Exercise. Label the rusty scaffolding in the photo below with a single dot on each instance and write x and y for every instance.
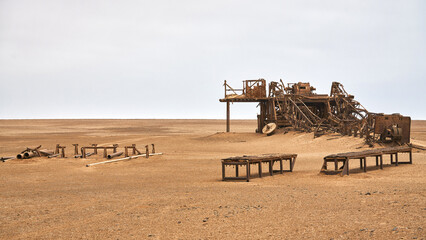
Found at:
(298, 107)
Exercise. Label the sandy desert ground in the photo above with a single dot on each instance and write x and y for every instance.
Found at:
(180, 195)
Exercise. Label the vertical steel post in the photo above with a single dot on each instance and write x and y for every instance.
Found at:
(248, 171)
(223, 171)
(75, 149)
(260, 169)
(95, 150)
(411, 156)
(228, 115)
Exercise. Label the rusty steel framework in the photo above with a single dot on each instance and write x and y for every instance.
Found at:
(297, 106)
(246, 161)
(362, 156)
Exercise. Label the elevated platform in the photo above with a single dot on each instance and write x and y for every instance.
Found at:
(246, 161)
(362, 156)
(236, 99)
(311, 98)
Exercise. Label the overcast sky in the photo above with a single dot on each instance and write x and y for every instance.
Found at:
(168, 59)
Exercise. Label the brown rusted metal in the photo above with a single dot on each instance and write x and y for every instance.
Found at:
(134, 150)
(113, 155)
(45, 152)
(393, 127)
(298, 107)
(4, 159)
(246, 161)
(60, 149)
(95, 148)
(29, 154)
(344, 158)
(34, 152)
(75, 148)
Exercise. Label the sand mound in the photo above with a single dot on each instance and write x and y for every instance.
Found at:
(230, 137)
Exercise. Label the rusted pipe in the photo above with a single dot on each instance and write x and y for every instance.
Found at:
(46, 152)
(4, 159)
(87, 155)
(29, 154)
(113, 155)
(121, 159)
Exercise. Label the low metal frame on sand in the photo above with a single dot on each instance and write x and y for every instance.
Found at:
(250, 160)
(362, 156)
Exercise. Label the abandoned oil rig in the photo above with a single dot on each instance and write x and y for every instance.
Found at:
(297, 106)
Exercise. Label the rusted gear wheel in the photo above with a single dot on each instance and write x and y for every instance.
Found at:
(269, 129)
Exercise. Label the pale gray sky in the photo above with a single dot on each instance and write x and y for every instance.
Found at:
(168, 59)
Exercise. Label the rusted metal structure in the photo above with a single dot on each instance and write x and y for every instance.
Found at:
(362, 156)
(134, 150)
(246, 161)
(127, 157)
(297, 106)
(95, 148)
(4, 159)
(34, 152)
(113, 155)
(62, 150)
(122, 159)
(75, 148)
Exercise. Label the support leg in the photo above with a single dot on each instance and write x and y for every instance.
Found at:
(75, 149)
(248, 171)
(260, 169)
(411, 156)
(236, 170)
(396, 159)
(293, 162)
(223, 171)
(365, 164)
(281, 166)
(360, 163)
(345, 167)
(381, 161)
(377, 160)
(270, 168)
(391, 158)
(336, 165)
(228, 115)
(324, 166)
